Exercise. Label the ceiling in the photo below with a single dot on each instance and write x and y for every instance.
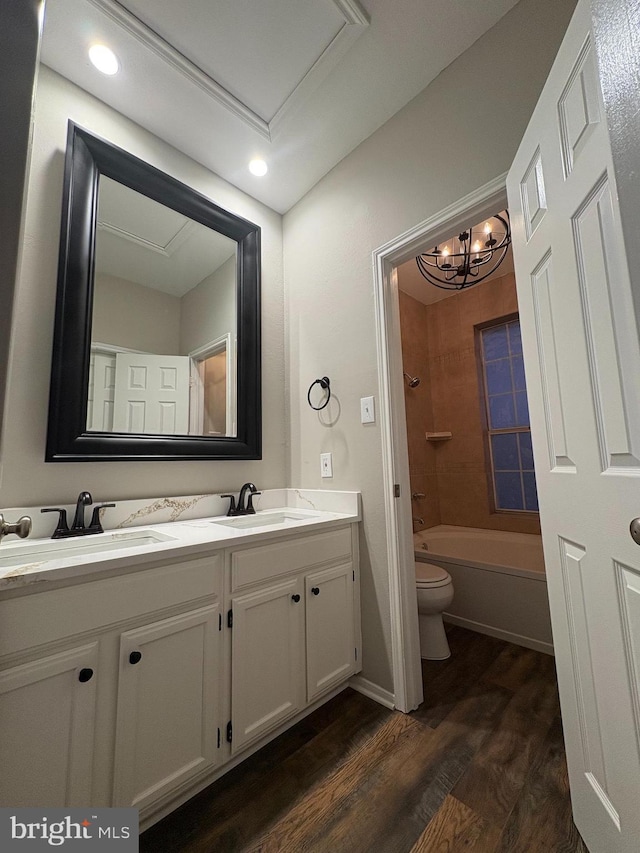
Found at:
(141, 240)
(299, 83)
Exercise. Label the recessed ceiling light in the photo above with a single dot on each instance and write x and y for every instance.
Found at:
(258, 168)
(104, 59)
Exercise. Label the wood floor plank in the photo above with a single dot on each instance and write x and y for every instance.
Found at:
(479, 767)
(271, 781)
(456, 827)
(382, 799)
(447, 685)
(541, 820)
(512, 667)
(495, 778)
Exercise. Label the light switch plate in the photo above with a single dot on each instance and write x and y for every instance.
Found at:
(367, 410)
(326, 465)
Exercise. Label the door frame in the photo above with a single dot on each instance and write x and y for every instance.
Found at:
(405, 644)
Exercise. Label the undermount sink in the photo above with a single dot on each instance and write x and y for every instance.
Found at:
(17, 554)
(262, 519)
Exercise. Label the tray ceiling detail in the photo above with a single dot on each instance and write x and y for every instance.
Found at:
(312, 39)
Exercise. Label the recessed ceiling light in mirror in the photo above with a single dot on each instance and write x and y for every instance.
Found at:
(258, 168)
(104, 59)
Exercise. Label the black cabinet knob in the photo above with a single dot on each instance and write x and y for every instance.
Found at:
(295, 597)
(315, 590)
(135, 657)
(85, 674)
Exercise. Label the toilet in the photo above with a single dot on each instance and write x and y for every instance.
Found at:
(434, 589)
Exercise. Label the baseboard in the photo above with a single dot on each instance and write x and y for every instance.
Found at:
(373, 691)
(498, 633)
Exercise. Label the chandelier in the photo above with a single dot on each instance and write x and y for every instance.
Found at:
(469, 258)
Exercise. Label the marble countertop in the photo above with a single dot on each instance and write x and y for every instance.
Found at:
(34, 562)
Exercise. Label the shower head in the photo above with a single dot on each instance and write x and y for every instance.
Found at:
(412, 381)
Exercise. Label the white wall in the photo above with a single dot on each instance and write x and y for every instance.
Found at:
(208, 311)
(130, 315)
(458, 134)
(25, 478)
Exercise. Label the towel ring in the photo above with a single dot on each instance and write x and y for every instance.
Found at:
(325, 384)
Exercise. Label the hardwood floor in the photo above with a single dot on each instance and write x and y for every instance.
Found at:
(478, 767)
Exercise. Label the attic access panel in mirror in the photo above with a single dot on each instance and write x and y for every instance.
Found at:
(156, 351)
(163, 330)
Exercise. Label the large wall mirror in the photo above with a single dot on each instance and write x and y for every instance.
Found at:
(157, 335)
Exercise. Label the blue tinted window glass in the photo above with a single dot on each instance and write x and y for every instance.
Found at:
(498, 376)
(515, 342)
(505, 451)
(530, 492)
(522, 409)
(494, 342)
(517, 366)
(502, 412)
(508, 491)
(526, 451)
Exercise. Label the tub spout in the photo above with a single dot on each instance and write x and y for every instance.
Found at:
(418, 520)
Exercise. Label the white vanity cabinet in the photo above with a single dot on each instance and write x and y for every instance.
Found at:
(167, 705)
(83, 724)
(295, 628)
(47, 729)
(140, 685)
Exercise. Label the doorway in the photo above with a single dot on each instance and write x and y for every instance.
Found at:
(400, 554)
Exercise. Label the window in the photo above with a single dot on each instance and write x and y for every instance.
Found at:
(509, 436)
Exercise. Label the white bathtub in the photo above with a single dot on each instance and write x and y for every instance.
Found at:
(498, 579)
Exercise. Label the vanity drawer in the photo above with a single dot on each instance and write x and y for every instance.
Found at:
(252, 565)
(46, 617)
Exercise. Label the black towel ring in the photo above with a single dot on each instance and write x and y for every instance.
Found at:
(325, 384)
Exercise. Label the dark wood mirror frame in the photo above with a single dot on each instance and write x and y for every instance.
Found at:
(68, 440)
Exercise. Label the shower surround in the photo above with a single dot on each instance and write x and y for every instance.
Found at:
(438, 345)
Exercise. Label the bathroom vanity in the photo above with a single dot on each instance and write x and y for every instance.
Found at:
(138, 671)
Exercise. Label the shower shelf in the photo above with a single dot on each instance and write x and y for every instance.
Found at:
(438, 436)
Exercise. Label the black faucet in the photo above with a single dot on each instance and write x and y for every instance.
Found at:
(63, 531)
(245, 501)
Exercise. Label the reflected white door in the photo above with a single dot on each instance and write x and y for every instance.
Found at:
(102, 373)
(583, 361)
(151, 394)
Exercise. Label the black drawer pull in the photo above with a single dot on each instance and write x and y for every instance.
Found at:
(295, 597)
(135, 657)
(85, 674)
(315, 590)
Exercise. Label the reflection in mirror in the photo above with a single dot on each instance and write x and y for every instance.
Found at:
(164, 329)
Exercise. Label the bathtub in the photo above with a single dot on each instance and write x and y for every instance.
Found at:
(498, 578)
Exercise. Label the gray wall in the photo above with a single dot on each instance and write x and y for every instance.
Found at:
(130, 315)
(209, 310)
(408, 170)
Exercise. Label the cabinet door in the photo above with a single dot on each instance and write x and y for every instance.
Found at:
(47, 723)
(166, 729)
(267, 660)
(330, 629)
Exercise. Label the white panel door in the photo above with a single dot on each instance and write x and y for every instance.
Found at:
(151, 394)
(167, 724)
(102, 377)
(582, 360)
(47, 727)
(329, 629)
(267, 660)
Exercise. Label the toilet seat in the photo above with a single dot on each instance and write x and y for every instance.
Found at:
(430, 576)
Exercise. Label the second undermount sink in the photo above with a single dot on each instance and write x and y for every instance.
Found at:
(17, 554)
(262, 519)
